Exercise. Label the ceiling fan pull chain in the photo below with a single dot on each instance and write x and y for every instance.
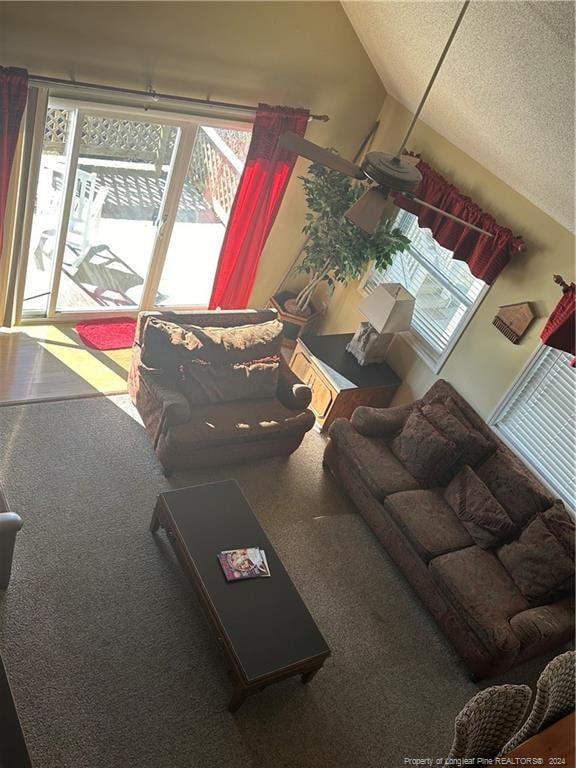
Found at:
(434, 74)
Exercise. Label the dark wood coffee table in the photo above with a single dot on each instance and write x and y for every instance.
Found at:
(262, 625)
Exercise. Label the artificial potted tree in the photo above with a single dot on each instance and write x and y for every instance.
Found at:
(335, 250)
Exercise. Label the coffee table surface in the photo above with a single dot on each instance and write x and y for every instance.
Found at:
(264, 620)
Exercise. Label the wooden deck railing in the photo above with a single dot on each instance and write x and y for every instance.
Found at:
(215, 168)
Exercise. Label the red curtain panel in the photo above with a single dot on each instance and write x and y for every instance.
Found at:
(560, 330)
(260, 191)
(486, 256)
(13, 94)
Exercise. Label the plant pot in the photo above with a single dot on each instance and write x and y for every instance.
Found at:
(295, 325)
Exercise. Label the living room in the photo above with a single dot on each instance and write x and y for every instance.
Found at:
(108, 656)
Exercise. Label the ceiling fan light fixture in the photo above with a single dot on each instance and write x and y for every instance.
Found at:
(391, 172)
(368, 210)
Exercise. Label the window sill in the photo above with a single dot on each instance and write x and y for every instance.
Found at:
(425, 352)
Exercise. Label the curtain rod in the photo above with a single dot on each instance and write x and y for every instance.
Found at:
(151, 94)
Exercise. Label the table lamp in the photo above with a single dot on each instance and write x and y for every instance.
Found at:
(388, 309)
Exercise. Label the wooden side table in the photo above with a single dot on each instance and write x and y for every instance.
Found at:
(554, 745)
(338, 382)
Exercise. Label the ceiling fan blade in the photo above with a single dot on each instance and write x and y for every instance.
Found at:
(450, 216)
(368, 210)
(300, 146)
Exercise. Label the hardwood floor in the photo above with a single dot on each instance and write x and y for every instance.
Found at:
(51, 363)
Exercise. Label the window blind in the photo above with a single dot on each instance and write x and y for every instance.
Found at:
(444, 289)
(538, 420)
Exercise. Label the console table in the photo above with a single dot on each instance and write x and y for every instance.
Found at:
(338, 382)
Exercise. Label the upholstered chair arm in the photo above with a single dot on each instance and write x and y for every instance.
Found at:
(10, 524)
(545, 623)
(292, 391)
(380, 422)
(160, 403)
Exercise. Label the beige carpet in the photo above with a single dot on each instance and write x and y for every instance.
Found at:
(111, 659)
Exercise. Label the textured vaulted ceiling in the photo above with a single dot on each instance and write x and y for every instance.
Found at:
(505, 94)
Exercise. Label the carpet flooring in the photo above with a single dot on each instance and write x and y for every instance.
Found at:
(110, 657)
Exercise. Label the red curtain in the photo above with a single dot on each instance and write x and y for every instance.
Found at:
(13, 94)
(486, 256)
(560, 330)
(260, 191)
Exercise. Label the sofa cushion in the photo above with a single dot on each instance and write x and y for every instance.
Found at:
(481, 514)
(380, 422)
(541, 560)
(451, 422)
(425, 452)
(371, 459)
(427, 522)
(206, 381)
(163, 345)
(243, 420)
(241, 343)
(166, 345)
(481, 592)
(521, 495)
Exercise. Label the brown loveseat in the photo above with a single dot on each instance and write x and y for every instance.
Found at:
(195, 431)
(489, 598)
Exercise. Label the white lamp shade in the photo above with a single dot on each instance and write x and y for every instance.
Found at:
(389, 308)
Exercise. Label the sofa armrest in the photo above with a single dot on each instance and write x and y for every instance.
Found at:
(546, 625)
(10, 524)
(159, 404)
(380, 422)
(175, 406)
(292, 392)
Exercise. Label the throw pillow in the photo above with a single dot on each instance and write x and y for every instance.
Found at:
(484, 518)
(541, 560)
(425, 452)
(514, 486)
(473, 446)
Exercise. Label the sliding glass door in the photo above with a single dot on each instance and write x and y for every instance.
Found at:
(128, 212)
(203, 209)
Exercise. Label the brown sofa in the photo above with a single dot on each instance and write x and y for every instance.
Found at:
(191, 434)
(475, 600)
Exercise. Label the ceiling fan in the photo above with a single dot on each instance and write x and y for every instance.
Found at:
(389, 173)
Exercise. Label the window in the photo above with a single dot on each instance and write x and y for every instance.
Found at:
(447, 294)
(130, 207)
(537, 420)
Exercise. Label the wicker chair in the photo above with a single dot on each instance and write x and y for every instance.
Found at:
(488, 720)
(554, 698)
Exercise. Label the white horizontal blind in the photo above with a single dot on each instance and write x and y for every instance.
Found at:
(444, 288)
(538, 420)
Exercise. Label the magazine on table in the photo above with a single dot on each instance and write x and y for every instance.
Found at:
(249, 563)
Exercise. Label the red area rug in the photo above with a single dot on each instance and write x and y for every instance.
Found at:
(112, 333)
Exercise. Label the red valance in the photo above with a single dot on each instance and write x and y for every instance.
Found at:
(486, 256)
(560, 330)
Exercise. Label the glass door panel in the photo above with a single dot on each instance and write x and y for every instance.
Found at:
(206, 200)
(116, 204)
(47, 211)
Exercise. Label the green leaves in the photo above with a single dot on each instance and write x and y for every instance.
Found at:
(348, 248)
